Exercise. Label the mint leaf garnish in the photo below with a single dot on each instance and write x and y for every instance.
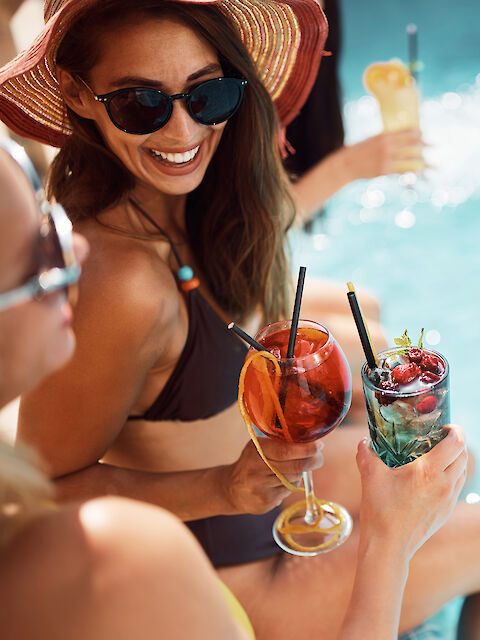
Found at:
(404, 341)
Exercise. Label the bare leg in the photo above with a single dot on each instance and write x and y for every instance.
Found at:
(289, 597)
(330, 296)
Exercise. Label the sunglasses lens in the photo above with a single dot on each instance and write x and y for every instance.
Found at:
(216, 100)
(139, 111)
(56, 260)
(49, 249)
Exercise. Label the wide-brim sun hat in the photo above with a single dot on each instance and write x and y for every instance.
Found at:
(284, 38)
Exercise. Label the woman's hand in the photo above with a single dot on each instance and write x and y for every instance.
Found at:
(410, 503)
(379, 155)
(253, 488)
(384, 154)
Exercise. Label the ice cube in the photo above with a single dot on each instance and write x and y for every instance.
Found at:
(424, 423)
(303, 347)
(441, 395)
(400, 413)
(394, 360)
(376, 375)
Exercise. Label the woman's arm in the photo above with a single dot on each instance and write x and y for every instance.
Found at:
(375, 604)
(375, 156)
(401, 508)
(246, 486)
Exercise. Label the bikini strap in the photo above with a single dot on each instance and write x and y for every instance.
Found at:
(185, 274)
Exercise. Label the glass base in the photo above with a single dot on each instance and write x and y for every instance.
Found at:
(295, 536)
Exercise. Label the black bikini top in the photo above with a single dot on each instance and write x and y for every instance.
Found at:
(205, 379)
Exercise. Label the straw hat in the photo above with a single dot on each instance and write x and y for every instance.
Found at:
(285, 39)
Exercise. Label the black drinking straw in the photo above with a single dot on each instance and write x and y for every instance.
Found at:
(242, 334)
(412, 41)
(296, 313)
(365, 339)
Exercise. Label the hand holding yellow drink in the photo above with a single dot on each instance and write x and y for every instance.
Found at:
(394, 87)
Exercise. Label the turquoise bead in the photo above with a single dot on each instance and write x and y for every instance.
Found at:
(185, 273)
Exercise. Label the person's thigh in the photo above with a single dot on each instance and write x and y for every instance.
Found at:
(290, 597)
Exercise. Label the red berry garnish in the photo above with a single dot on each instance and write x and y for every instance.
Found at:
(427, 405)
(383, 398)
(430, 362)
(388, 385)
(406, 373)
(415, 355)
(429, 377)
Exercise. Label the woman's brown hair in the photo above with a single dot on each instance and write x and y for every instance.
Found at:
(238, 217)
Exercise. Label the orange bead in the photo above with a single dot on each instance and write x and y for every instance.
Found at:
(188, 285)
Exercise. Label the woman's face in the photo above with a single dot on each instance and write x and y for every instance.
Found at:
(35, 337)
(166, 54)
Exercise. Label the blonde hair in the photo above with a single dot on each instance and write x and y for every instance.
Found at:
(24, 490)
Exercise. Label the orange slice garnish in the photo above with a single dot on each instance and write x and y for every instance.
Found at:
(270, 389)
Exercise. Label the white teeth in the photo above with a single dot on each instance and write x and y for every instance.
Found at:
(176, 158)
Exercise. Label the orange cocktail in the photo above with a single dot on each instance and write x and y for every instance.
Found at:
(298, 399)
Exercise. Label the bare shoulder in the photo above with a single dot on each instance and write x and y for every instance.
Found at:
(68, 565)
(110, 568)
(126, 276)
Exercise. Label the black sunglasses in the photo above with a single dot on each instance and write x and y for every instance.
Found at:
(142, 110)
(56, 265)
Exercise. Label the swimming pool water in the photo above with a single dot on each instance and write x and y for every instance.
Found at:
(448, 40)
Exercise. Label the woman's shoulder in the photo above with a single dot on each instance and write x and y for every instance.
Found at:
(115, 544)
(63, 573)
(127, 275)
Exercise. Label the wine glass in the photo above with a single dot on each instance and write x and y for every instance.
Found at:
(299, 399)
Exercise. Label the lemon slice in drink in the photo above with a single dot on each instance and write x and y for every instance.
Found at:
(395, 90)
(380, 77)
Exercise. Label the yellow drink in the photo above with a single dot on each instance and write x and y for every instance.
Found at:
(392, 84)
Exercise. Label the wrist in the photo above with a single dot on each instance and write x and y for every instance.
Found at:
(222, 486)
(343, 166)
(377, 544)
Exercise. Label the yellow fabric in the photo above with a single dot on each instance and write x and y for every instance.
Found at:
(237, 611)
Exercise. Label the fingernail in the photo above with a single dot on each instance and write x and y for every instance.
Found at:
(451, 432)
(363, 442)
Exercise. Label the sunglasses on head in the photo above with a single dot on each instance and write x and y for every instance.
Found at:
(142, 110)
(55, 261)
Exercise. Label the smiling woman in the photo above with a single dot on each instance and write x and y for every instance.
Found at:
(169, 161)
(139, 107)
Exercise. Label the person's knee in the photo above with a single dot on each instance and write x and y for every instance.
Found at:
(370, 305)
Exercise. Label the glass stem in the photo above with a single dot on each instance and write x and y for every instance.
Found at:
(312, 513)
